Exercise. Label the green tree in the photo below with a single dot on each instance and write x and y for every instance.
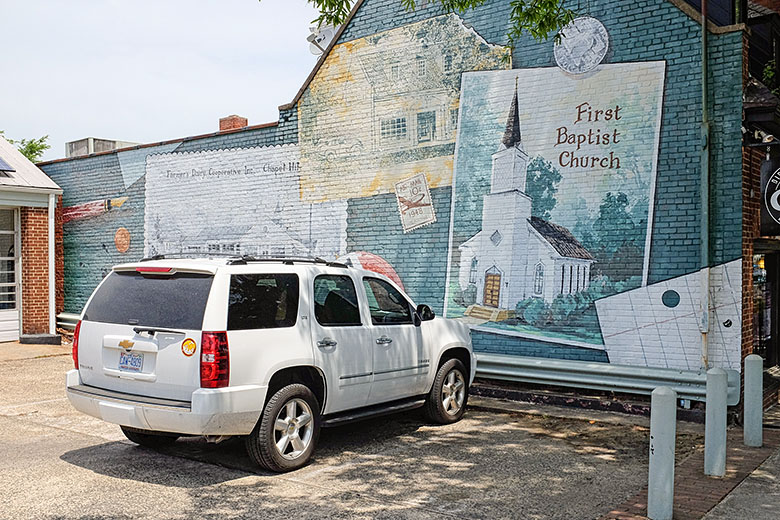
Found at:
(539, 18)
(619, 251)
(541, 184)
(33, 149)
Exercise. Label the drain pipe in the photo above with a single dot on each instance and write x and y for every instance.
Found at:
(704, 189)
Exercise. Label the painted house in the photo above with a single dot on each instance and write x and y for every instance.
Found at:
(516, 255)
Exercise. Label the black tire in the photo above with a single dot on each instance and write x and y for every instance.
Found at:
(262, 443)
(434, 404)
(149, 439)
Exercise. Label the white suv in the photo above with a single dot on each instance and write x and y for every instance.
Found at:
(270, 349)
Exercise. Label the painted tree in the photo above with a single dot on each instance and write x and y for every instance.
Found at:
(540, 18)
(619, 250)
(33, 149)
(541, 184)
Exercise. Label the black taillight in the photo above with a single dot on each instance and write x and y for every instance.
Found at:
(214, 360)
(75, 352)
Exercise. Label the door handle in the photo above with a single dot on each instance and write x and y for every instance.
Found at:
(327, 342)
(384, 340)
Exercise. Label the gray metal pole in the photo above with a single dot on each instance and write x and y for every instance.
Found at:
(715, 423)
(663, 430)
(754, 401)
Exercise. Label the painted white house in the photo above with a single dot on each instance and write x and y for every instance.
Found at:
(517, 256)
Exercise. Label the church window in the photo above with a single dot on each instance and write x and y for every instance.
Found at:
(496, 238)
(473, 271)
(393, 128)
(421, 66)
(448, 63)
(426, 127)
(571, 272)
(539, 279)
(563, 276)
(454, 119)
(395, 72)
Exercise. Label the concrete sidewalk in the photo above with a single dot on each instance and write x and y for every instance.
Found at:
(14, 351)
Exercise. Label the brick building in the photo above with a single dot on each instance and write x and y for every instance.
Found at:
(396, 145)
(30, 250)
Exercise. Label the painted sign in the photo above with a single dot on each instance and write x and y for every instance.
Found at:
(238, 201)
(553, 190)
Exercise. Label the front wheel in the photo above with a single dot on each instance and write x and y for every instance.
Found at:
(286, 434)
(447, 399)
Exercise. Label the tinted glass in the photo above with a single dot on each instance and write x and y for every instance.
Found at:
(175, 302)
(335, 301)
(262, 301)
(386, 303)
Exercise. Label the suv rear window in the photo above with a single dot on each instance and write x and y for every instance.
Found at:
(262, 301)
(175, 301)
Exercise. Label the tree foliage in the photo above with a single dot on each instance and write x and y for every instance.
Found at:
(541, 184)
(539, 18)
(33, 148)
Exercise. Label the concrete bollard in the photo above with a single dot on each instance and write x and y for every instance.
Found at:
(715, 423)
(663, 430)
(753, 432)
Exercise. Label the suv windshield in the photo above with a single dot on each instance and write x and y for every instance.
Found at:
(175, 301)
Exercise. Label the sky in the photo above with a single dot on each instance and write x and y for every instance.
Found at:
(147, 70)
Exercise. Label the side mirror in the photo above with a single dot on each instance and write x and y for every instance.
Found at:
(425, 313)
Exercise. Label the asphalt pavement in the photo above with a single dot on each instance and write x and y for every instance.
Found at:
(503, 460)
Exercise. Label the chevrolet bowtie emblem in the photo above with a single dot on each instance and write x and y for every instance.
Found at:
(126, 344)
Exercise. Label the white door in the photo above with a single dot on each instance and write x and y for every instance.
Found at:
(342, 346)
(9, 275)
(399, 366)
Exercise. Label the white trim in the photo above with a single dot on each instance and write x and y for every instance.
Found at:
(29, 189)
(52, 294)
(18, 266)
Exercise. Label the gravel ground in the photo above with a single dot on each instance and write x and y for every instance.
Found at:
(61, 464)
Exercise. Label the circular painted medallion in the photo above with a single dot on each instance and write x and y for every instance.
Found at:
(122, 240)
(772, 196)
(582, 46)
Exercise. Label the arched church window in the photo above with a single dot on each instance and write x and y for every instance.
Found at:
(539, 279)
(473, 271)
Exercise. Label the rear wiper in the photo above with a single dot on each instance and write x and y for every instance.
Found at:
(154, 330)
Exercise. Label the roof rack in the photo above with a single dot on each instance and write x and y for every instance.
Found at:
(233, 259)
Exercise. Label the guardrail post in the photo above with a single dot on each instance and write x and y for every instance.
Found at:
(715, 423)
(752, 431)
(663, 430)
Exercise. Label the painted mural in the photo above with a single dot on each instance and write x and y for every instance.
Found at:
(384, 108)
(552, 197)
(237, 201)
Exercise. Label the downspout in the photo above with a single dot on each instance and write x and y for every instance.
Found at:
(704, 309)
(52, 278)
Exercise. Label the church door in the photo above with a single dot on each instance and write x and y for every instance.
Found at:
(492, 288)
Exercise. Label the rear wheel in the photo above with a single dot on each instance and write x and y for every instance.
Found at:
(149, 439)
(447, 399)
(286, 434)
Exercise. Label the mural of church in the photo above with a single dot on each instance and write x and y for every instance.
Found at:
(516, 255)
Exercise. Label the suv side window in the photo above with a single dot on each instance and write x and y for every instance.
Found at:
(262, 301)
(335, 301)
(386, 303)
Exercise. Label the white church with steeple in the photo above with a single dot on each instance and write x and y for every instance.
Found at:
(516, 255)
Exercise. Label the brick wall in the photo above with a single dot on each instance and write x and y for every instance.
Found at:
(642, 31)
(35, 270)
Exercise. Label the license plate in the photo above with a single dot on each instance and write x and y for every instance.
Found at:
(130, 362)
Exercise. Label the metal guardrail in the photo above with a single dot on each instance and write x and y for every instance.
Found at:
(601, 376)
(67, 321)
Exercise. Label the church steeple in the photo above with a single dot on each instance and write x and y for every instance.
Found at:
(512, 133)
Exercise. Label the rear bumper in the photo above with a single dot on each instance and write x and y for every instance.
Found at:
(218, 411)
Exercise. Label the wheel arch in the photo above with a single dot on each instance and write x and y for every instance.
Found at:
(307, 375)
(456, 352)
